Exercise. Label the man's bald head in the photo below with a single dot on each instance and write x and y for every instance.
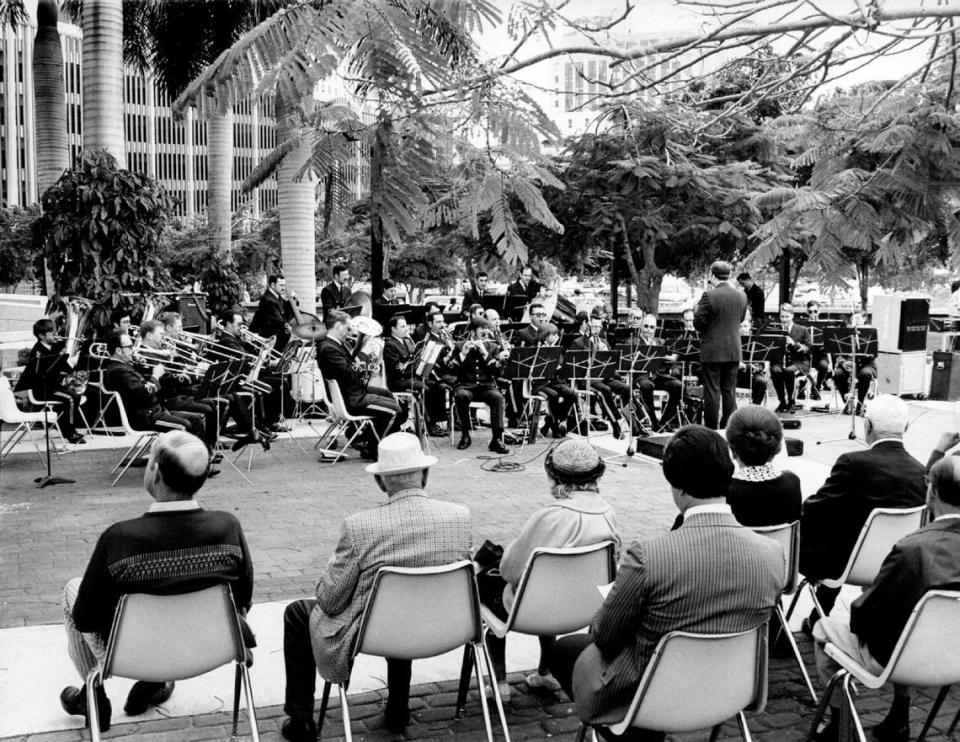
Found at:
(945, 481)
(178, 466)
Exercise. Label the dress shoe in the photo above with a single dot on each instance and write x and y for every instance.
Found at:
(435, 431)
(464, 442)
(76, 438)
(892, 729)
(815, 394)
(143, 695)
(213, 473)
(74, 702)
(829, 733)
(560, 431)
(299, 730)
(617, 431)
(791, 407)
(242, 443)
(782, 407)
(216, 458)
(496, 445)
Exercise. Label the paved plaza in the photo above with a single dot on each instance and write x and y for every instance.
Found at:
(291, 514)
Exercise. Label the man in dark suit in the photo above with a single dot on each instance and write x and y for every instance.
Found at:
(337, 365)
(928, 559)
(525, 285)
(527, 337)
(478, 361)
(275, 308)
(883, 476)
(755, 298)
(410, 529)
(398, 351)
(795, 361)
(475, 294)
(671, 582)
(176, 547)
(717, 318)
(336, 294)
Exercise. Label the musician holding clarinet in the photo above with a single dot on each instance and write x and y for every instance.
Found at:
(796, 359)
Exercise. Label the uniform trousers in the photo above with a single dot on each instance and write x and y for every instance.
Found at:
(486, 393)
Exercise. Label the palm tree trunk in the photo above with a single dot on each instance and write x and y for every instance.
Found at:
(220, 182)
(103, 77)
(50, 107)
(297, 203)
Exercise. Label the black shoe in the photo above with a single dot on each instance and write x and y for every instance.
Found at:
(830, 733)
(548, 426)
(802, 394)
(268, 434)
(560, 431)
(76, 438)
(496, 445)
(464, 442)
(143, 695)
(74, 702)
(395, 720)
(782, 407)
(892, 729)
(617, 432)
(791, 407)
(242, 443)
(299, 730)
(216, 458)
(213, 473)
(815, 394)
(435, 431)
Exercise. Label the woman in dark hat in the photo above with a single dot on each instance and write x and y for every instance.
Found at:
(579, 516)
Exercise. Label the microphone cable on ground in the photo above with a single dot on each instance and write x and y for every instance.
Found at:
(499, 464)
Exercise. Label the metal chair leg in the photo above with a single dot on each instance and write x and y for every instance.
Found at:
(484, 657)
(852, 709)
(744, 729)
(581, 733)
(93, 715)
(345, 713)
(251, 707)
(796, 652)
(237, 677)
(824, 702)
(324, 701)
(796, 597)
(934, 710)
(953, 724)
(466, 670)
(480, 670)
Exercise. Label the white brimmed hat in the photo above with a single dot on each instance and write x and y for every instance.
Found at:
(399, 453)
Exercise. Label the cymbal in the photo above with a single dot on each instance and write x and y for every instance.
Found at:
(312, 330)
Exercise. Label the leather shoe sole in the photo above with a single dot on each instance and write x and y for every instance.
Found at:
(143, 695)
(297, 730)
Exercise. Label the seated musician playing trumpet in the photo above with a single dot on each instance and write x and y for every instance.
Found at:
(45, 374)
(614, 394)
(646, 384)
(796, 359)
(337, 364)
(478, 361)
(270, 404)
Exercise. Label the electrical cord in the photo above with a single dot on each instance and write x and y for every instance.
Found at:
(500, 464)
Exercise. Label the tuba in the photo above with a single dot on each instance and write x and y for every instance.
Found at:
(367, 350)
(78, 312)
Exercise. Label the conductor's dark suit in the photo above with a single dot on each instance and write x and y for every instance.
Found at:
(333, 297)
(717, 318)
(884, 476)
(270, 319)
(927, 559)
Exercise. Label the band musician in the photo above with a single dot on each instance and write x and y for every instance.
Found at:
(273, 312)
(614, 394)
(560, 396)
(476, 292)
(796, 359)
(423, 329)
(529, 335)
(45, 374)
(479, 361)
(269, 404)
(337, 365)
(398, 352)
(388, 299)
(866, 372)
(139, 393)
(751, 375)
(443, 376)
(689, 329)
(336, 294)
(525, 285)
(821, 359)
(646, 384)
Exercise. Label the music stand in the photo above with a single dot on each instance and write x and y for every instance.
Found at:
(857, 343)
(48, 479)
(218, 380)
(638, 358)
(587, 366)
(532, 364)
(686, 347)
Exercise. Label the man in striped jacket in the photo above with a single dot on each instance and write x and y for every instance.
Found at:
(709, 576)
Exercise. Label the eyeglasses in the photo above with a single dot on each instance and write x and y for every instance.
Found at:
(649, 327)
(539, 314)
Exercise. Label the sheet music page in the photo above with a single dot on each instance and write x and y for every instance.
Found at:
(429, 356)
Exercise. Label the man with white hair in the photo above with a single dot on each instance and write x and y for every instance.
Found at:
(927, 559)
(175, 547)
(410, 530)
(882, 476)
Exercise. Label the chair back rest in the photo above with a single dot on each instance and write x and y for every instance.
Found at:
(928, 653)
(788, 536)
(172, 637)
(696, 681)
(8, 402)
(416, 612)
(334, 399)
(881, 531)
(558, 591)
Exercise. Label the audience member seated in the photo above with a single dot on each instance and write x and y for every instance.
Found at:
(882, 476)
(410, 530)
(579, 517)
(175, 547)
(759, 494)
(709, 576)
(928, 559)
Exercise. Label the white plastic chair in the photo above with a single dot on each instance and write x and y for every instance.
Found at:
(342, 418)
(415, 613)
(23, 421)
(157, 638)
(880, 532)
(788, 536)
(698, 681)
(927, 654)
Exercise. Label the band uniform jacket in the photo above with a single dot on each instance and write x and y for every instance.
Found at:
(336, 364)
(44, 370)
(884, 476)
(527, 337)
(397, 352)
(475, 369)
(447, 366)
(270, 319)
(711, 575)
(409, 530)
(470, 297)
(531, 290)
(138, 394)
(717, 318)
(333, 297)
(801, 359)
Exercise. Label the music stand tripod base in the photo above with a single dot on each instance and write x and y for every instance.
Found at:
(47, 481)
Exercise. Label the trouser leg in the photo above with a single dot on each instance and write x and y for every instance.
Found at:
(673, 387)
(299, 665)
(711, 394)
(645, 388)
(462, 398)
(563, 657)
(66, 408)
(728, 391)
(86, 650)
(777, 376)
(398, 689)
(492, 397)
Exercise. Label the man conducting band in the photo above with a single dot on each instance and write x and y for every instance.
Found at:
(337, 365)
(796, 361)
(717, 318)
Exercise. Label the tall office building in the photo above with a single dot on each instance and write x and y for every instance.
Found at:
(173, 152)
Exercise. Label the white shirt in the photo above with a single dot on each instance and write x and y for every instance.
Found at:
(174, 506)
(703, 509)
(946, 516)
(886, 440)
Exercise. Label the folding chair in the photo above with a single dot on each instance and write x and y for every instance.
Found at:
(881, 531)
(338, 410)
(698, 681)
(157, 638)
(452, 415)
(49, 403)
(421, 612)
(927, 654)
(24, 421)
(557, 595)
(788, 536)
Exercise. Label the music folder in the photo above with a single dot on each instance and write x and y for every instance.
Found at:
(428, 358)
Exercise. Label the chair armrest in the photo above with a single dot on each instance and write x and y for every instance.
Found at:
(849, 664)
(498, 627)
